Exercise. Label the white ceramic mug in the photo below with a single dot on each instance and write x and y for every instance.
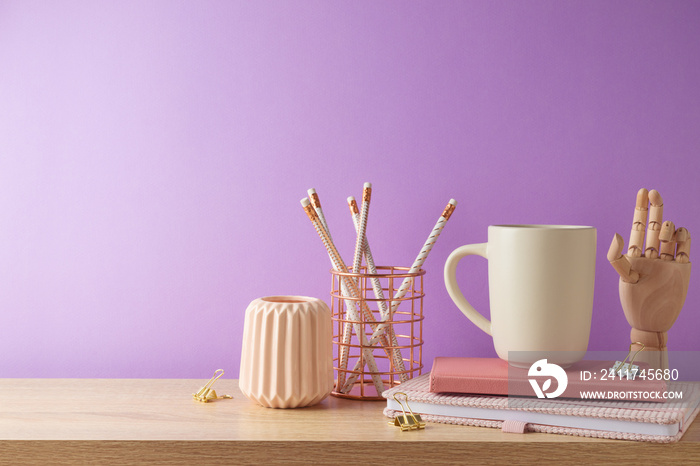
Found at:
(541, 281)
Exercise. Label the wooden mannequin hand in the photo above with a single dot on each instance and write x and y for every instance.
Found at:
(653, 277)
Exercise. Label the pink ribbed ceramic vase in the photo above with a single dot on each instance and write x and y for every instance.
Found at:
(287, 357)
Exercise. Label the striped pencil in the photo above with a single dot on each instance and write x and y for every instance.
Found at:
(316, 202)
(364, 308)
(362, 227)
(353, 292)
(395, 354)
(406, 284)
(360, 242)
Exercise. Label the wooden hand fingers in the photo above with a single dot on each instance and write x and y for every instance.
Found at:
(667, 236)
(683, 246)
(620, 262)
(674, 243)
(656, 211)
(663, 240)
(636, 246)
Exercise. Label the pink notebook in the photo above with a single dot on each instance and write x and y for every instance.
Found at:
(490, 376)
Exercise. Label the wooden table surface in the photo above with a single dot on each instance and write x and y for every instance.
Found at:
(119, 421)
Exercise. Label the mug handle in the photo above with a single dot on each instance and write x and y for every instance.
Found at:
(480, 249)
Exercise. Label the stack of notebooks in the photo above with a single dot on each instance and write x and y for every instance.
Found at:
(474, 392)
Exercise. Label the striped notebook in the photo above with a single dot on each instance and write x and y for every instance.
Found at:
(623, 420)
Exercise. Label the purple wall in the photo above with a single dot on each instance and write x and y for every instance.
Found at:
(153, 154)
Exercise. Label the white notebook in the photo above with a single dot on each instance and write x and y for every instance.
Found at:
(653, 422)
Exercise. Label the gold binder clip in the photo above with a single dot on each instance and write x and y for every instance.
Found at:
(416, 417)
(206, 393)
(628, 369)
(407, 421)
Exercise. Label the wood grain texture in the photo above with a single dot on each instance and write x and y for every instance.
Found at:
(306, 452)
(68, 421)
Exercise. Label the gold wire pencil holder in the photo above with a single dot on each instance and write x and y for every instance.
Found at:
(398, 353)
